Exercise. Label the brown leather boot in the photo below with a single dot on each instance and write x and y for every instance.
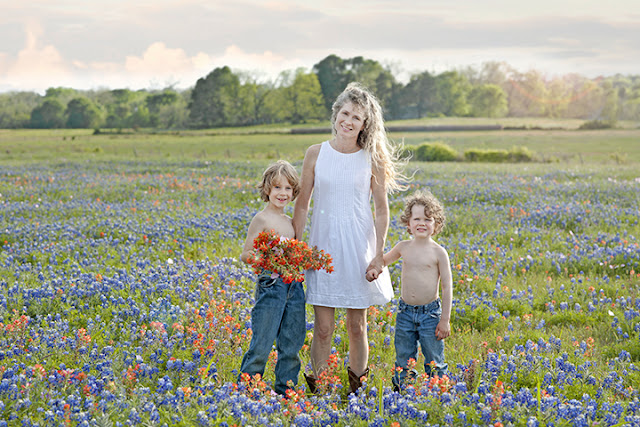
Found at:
(354, 380)
(311, 382)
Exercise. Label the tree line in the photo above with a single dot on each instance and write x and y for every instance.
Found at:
(235, 98)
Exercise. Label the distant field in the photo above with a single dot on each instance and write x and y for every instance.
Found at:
(558, 141)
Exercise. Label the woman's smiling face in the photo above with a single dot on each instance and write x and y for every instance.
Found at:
(350, 120)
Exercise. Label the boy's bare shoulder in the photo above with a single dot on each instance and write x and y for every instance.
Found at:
(260, 219)
(401, 245)
(439, 248)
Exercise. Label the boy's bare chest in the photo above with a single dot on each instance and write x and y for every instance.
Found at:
(420, 261)
(281, 225)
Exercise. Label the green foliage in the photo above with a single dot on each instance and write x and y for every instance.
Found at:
(488, 100)
(408, 152)
(515, 155)
(477, 319)
(50, 115)
(428, 95)
(82, 114)
(214, 98)
(519, 154)
(597, 124)
(226, 98)
(436, 152)
(16, 107)
(486, 155)
(299, 102)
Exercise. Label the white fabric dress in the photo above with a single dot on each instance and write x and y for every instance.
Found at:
(342, 225)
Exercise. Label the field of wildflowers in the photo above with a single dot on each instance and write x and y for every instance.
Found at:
(123, 302)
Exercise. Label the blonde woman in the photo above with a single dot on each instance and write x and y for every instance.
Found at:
(343, 174)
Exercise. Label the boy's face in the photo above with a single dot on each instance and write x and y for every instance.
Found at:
(281, 192)
(420, 225)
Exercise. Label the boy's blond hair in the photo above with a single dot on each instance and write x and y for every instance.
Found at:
(432, 209)
(281, 168)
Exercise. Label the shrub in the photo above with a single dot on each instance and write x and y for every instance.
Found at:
(517, 154)
(597, 124)
(520, 154)
(408, 152)
(436, 152)
(486, 156)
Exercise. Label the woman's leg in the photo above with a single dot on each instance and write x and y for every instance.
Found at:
(358, 340)
(323, 327)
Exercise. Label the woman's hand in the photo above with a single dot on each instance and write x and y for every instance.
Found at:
(375, 268)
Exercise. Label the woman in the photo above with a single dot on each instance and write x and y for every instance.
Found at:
(343, 174)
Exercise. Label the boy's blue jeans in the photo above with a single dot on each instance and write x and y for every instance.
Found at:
(278, 315)
(417, 324)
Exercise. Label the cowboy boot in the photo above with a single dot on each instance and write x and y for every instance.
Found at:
(311, 382)
(354, 380)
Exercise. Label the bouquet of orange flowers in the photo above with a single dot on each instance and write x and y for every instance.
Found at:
(287, 258)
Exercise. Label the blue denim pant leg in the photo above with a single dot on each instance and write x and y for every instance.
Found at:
(417, 324)
(278, 315)
(290, 339)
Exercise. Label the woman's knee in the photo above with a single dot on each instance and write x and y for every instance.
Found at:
(324, 325)
(357, 323)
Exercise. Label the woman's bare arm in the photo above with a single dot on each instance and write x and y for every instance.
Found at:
(301, 209)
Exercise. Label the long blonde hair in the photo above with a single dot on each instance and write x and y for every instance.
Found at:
(372, 137)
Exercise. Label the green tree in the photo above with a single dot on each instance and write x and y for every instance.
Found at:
(119, 108)
(585, 97)
(334, 73)
(16, 108)
(296, 99)
(488, 100)
(49, 115)
(559, 95)
(526, 94)
(332, 76)
(451, 89)
(305, 99)
(214, 98)
(609, 111)
(420, 95)
(157, 102)
(82, 113)
(62, 94)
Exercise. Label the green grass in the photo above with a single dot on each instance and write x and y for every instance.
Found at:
(613, 147)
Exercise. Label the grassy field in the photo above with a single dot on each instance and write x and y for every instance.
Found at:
(123, 302)
(615, 147)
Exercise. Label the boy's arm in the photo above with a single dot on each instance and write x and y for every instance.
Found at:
(390, 257)
(443, 330)
(256, 226)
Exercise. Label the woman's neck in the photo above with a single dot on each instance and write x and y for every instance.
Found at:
(345, 146)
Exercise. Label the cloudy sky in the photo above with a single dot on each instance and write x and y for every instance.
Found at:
(144, 44)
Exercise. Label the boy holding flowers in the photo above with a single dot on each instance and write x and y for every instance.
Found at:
(279, 311)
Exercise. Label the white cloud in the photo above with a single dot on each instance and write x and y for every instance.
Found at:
(118, 43)
(34, 65)
(160, 60)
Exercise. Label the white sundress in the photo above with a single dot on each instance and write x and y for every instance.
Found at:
(342, 225)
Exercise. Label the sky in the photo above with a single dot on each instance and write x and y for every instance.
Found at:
(142, 44)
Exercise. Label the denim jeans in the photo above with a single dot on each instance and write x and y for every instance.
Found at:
(417, 324)
(278, 315)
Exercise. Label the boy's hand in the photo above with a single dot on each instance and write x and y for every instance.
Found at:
(372, 274)
(374, 268)
(443, 330)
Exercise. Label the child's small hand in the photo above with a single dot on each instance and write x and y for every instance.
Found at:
(372, 275)
(443, 330)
